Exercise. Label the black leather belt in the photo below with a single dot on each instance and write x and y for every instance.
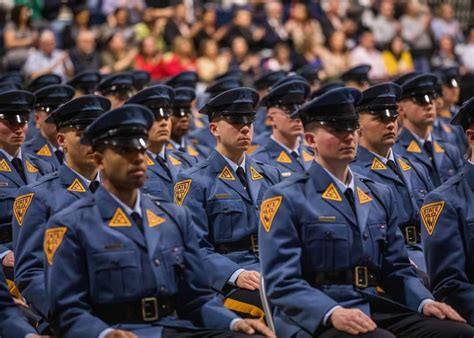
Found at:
(145, 310)
(6, 234)
(361, 277)
(412, 234)
(250, 243)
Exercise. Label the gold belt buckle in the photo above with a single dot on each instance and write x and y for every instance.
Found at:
(361, 277)
(254, 244)
(150, 309)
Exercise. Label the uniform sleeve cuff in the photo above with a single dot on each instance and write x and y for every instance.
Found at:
(328, 314)
(234, 276)
(423, 303)
(232, 323)
(105, 332)
(3, 254)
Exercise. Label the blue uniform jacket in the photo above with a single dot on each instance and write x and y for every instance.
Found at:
(409, 192)
(223, 211)
(49, 195)
(10, 182)
(448, 239)
(307, 226)
(195, 150)
(448, 159)
(96, 254)
(12, 322)
(39, 147)
(158, 182)
(450, 134)
(275, 155)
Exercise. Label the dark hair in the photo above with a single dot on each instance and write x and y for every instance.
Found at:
(16, 13)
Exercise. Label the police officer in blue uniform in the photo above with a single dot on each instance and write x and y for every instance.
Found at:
(45, 145)
(329, 237)
(17, 168)
(120, 264)
(447, 228)
(416, 142)
(284, 149)
(43, 81)
(376, 160)
(76, 178)
(141, 79)
(224, 193)
(163, 164)
(85, 83)
(327, 87)
(118, 88)
(357, 77)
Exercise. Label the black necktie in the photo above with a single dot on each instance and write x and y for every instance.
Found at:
(428, 146)
(59, 155)
(16, 162)
(93, 186)
(392, 165)
(164, 165)
(242, 177)
(138, 220)
(350, 198)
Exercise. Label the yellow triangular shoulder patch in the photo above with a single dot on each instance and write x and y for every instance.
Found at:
(447, 129)
(252, 149)
(268, 211)
(119, 219)
(405, 166)
(149, 161)
(191, 151)
(4, 166)
(413, 147)
(284, 158)
(378, 165)
(445, 114)
(31, 168)
(21, 205)
(174, 161)
(76, 186)
(437, 148)
(331, 194)
(181, 189)
(226, 174)
(169, 146)
(254, 174)
(198, 123)
(44, 151)
(307, 156)
(153, 219)
(52, 240)
(363, 197)
(430, 215)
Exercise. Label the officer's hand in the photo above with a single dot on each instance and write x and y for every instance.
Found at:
(352, 321)
(441, 311)
(252, 326)
(120, 334)
(249, 280)
(8, 260)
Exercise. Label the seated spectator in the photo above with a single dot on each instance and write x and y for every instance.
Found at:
(273, 24)
(242, 26)
(281, 59)
(242, 58)
(133, 7)
(47, 59)
(309, 54)
(366, 53)
(150, 26)
(335, 57)
(416, 32)
(384, 25)
(444, 56)
(117, 57)
(119, 22)
(210, 62)
(332, 20)
(84, 55)
(149, 58)
(81, 22)
(446, 24)
(206, 28)
(301, 26)
(180, 59)
(466, 51)
(18, 38)
(177, 25)
(397, 58)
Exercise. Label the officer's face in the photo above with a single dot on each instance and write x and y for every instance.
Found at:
(76, 154)
(235, 136)
(451, 94)
(378, 132)
(180, 125)
(122, 169)
(416, 113)
(47, 129)
(12, 135)
(332, 146)
(282, 123)
(160, 131)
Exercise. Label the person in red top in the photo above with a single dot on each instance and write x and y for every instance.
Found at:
(149, 58)
(181, 59)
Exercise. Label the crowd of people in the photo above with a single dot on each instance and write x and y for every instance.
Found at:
(308, 172)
